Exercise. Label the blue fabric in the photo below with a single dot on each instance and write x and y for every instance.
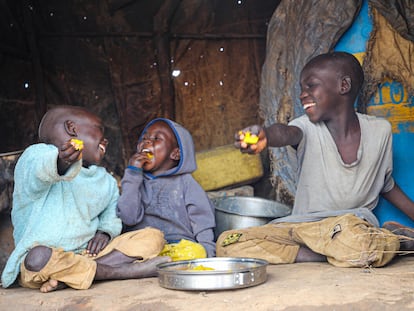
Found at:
(138, 169)
(172, 202)
(58, 211)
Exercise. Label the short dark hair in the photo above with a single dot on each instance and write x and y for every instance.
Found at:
(56, 115)
(348, 65)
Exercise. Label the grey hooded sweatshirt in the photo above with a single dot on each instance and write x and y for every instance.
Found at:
(173, 201)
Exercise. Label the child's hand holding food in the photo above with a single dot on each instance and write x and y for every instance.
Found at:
(141, 157)
(77, 144)
(69, 153)
(251, 139)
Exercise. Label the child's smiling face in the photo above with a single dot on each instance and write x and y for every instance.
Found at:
(63, 123)
(320, 87)
(159, 140)
(90, 130)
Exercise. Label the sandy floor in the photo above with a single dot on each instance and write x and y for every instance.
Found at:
(308, 286)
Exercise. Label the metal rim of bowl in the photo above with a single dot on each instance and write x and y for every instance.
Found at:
(281, 209)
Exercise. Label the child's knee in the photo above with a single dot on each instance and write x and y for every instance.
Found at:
(37, 258)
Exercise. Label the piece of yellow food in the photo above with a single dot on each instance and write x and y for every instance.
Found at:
(149, 154)
(250, 138)
(77, 143)
(200, 268)
(184, 250)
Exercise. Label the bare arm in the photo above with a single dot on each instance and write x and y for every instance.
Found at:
(279, 135)
(400, 200)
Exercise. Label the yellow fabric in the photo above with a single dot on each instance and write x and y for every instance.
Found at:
(184, 250)
(78, 271)
(346, 241)
(225, 166)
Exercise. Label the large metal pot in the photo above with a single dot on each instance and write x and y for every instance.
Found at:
(241, 212)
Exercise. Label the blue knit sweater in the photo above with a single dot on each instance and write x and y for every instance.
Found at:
(58, 211)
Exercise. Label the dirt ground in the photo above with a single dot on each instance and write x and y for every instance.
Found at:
(305, 286)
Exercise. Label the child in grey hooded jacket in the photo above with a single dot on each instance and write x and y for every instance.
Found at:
(159, 191)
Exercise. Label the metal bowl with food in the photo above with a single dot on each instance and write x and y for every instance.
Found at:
(235, 212)
(218, 273)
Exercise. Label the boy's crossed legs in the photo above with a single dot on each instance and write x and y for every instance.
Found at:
(344, 241)
(130, 256)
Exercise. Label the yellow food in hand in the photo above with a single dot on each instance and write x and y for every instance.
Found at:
(184, 250)
(250, 138)
(77, 143)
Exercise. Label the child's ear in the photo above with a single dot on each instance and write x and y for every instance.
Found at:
(346, 84)
(70, 128)
(175, 154)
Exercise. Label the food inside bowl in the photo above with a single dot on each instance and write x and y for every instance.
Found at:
(212, 273)
(199, 268)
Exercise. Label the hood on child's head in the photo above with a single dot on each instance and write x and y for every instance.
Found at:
(187, 163)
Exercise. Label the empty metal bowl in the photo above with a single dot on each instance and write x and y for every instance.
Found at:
(237, 212)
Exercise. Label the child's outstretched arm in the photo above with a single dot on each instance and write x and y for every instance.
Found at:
(254, 139)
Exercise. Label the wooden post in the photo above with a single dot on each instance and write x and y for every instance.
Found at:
(162, 22)
(40, 101)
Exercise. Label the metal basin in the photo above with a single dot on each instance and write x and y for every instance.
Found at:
(241, 212)
(225, 273)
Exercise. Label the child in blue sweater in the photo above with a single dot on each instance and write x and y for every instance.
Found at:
(66, 231)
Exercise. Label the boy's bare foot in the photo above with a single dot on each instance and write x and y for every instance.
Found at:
(307, 255)
(52, 285)
(149, 268)
(405, 234)
(134, 270)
